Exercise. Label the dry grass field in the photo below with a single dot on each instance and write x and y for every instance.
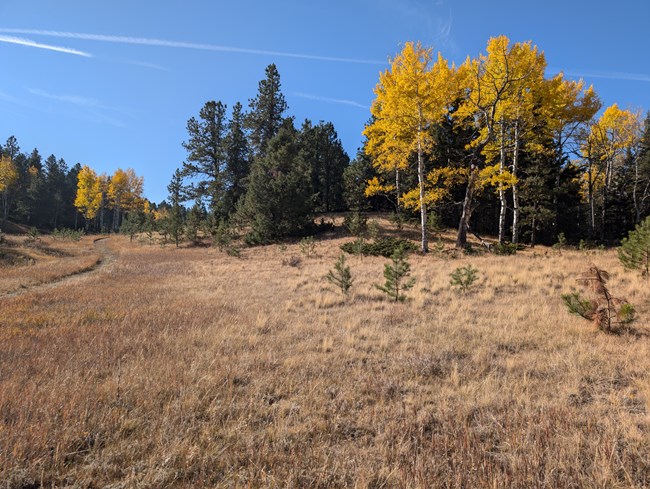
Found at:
(191, 368)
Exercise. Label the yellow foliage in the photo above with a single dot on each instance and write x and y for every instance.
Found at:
(375, 187)
(89, 194)
(8, 173)
(494, 176)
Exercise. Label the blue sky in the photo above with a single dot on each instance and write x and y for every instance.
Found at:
(112, 84)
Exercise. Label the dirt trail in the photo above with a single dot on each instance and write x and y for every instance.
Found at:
(105, 261)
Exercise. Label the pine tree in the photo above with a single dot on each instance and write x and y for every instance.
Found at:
(237, 160)
(327, 159)
(177, 195)
(396, 273)
(634, 252)
(279, 201)
(341, 276)
(206, 155)
(266, 112)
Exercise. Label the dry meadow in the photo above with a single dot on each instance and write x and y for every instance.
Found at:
(188, 367)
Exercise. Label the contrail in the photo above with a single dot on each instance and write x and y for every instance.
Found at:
(182, 45)
(610, 75)
(33, 44)
(330, 100)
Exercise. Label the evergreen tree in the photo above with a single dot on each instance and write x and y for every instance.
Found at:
(206, 155)
(279, 201)
(237, 160)
(174, 224)
(355, 179)
(266, 112)
(327, 159)
(396, 273)
(634, 252)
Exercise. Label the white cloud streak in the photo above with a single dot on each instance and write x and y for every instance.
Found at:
(90, 109)
(609, 75)
(68, 99)
(33, 44)
(330, 100)
(182, 45)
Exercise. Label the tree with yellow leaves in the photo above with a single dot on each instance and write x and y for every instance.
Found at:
(608, 139)
(89, 195)
(8, 177)
(124, 193)
(412, 96)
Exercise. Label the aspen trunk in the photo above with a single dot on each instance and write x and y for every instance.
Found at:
(463, 225)
(515, 189)
(423, 209)
(502, 192)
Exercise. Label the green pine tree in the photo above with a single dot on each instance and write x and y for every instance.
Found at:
(206, 155)
(634, 252)
(279, 201)
(266, 112)
(396, 273)
(341, 276)
(174, 224)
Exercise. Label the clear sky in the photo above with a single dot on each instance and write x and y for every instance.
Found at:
(112, 83)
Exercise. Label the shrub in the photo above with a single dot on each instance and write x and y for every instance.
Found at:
(464, 277)
(609, 313)
(505, 249)
(341, 275)
(560, 244)
(634, 252)
(308, 246)
(396, 273)
(379, 247)
(356, 223)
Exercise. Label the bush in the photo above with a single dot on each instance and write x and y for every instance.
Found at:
(464, 277)
(609, 313)
(395, 273)
(308, 246)
(356, 223)
(385, 247)
(341, 275)
(634, 252)
(505, 249)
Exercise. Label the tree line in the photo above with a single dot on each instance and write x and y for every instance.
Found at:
(490, 146)
(495, 146)
(49, 195)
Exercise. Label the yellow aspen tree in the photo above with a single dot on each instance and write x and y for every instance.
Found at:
(124, 193)
(486, 82)
(8, 177)
(527, 65)
(410, 97)
(89, 193)
(614, 132)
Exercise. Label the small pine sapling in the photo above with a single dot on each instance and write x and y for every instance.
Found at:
(396, 273)
(609, 313)
(561, 243)
(464, 278)
(308, 246)
(341, 275)
(634, 252)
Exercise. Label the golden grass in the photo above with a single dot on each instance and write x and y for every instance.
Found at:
(191, 368)
(24, 264)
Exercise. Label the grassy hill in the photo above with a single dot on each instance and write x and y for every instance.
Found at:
(192, 368)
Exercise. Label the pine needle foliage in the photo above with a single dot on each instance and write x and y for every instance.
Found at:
(464, 278)
(608, 313)
(396, 273)
(634, 252)
(341, 276)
